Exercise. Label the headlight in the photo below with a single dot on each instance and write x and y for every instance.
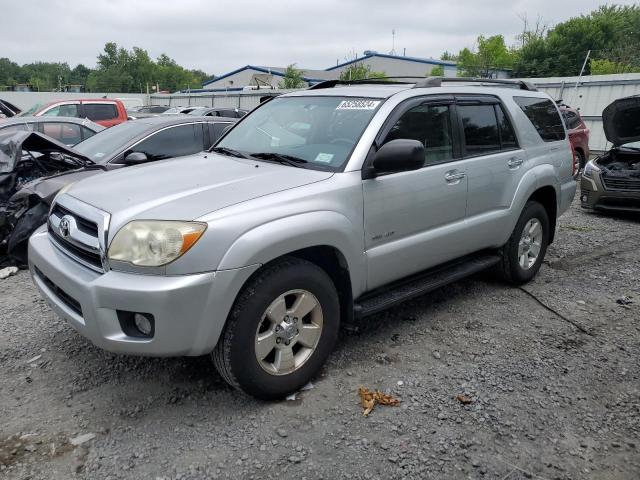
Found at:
(153, 243)
(589, 169)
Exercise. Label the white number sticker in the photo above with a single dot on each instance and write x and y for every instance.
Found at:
(358, 105)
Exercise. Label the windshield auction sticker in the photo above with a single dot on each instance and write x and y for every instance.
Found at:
(358, 105)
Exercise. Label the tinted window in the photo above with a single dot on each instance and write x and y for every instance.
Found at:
(100, 111)
(100, 148)
(68, 110)
(431, 126)
(67, 133)
(216, 130)
(157, 109)
(543, 114)
(172, 142)
(87, 133)
(481, 131)
(228, 113)
(507, 135)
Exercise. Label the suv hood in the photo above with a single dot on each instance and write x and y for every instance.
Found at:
(621, 121)
(187, 188)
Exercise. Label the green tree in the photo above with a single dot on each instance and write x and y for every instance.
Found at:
(448, 56)
(603, 67)
(436, 71)
(491, 54)
(360, 71)
(611, 33)
(293, 78)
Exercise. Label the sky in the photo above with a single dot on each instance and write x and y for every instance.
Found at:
(220, 36)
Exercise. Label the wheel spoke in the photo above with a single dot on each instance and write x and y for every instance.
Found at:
(265, 343)
(535, 249)
(277, 310)
(534, 231)
(523, 260)
(308, 335)
(284, 361)
(303, 305)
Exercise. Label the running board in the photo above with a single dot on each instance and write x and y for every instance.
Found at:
(386, 297)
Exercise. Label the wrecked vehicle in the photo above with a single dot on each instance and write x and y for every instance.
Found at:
(26, 202)
(68, 130)
(612, 181)
(8, 109)
(24, 158)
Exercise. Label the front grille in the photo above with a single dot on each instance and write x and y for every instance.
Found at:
(621, 184)
(78, 230)
(92, 258)
(64, 297)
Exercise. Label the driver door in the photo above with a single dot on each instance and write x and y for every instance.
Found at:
(414, 220)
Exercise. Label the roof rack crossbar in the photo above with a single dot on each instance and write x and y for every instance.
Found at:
(377, 80)
(437, 82)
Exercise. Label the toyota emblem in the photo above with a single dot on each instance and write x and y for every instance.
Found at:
(64, 226)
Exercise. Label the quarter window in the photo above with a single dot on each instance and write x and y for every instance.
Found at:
(172, 142)
(481, 132)
(543, 115)
(431, 126)
(100, 111)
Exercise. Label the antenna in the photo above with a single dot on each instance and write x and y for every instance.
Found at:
(393, 42)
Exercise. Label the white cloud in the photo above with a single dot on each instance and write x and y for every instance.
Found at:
(219, 36)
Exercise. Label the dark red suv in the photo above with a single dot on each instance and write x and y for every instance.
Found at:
(578, 133)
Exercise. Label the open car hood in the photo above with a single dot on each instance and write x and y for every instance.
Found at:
(621, 121)
(14, 145)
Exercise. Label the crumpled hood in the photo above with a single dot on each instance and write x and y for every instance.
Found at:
(621, 120)
(12, 146)
(187, 188)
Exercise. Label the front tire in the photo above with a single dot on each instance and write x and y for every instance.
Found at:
(280, 331)
(524, 252)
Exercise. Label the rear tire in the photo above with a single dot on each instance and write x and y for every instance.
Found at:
(290, 301)
(524, 252)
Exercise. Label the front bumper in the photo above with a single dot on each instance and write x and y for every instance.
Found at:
(594, 195)
(189, 310)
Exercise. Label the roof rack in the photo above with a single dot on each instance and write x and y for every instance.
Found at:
(377, 81)
(437, 82)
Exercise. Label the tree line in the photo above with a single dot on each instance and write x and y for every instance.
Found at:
(117, 70)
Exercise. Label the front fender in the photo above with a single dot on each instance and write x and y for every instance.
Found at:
(280, 237)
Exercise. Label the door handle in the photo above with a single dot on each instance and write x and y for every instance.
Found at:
(514, 162)
(454, 176)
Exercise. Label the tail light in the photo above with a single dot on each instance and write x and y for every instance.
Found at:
(576, 162)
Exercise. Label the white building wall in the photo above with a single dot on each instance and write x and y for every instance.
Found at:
(241, 79)
(393, 67)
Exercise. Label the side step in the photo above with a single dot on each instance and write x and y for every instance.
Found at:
(419, 284)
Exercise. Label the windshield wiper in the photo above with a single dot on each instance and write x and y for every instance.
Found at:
(228, 151)
(282, 158)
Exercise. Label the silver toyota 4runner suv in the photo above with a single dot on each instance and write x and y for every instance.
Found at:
(319, 208)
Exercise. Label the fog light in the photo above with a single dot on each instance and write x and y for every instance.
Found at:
(584, 198)
(143, 324)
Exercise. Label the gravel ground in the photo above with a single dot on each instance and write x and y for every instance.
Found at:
(553, 385)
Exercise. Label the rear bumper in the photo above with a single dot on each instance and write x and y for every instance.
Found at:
(593, 195)
(189, 310)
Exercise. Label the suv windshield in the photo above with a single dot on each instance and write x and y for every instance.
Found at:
(104, 144)
(310, 132)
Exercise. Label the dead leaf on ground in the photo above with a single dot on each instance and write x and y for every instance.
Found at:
(465, 400)
(369, 399)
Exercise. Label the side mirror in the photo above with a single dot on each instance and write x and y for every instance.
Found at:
(399, 155)
(135, 158)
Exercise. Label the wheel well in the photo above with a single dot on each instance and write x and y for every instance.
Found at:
(332, 261)
(547, 197)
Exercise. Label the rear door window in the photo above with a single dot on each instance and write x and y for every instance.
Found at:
(172, 142)
(481, 131)
(100, 111)
(507, 135)
(216, 130)
(543, 115)
(67, 133)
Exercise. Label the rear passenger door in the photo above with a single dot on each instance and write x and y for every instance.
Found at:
(414, 220)
(495, 164)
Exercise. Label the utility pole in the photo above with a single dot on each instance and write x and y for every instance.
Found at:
(393, 42)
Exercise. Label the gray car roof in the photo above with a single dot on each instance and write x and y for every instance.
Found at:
(168, 120)
(78, 121)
